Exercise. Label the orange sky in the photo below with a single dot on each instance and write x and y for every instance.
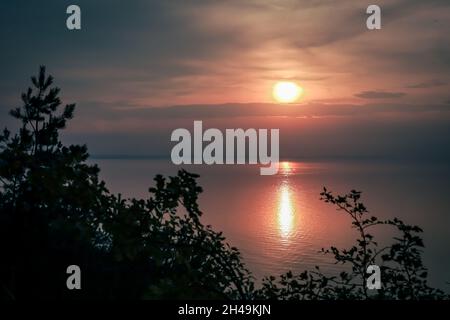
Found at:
(162, 53)
(131, 59)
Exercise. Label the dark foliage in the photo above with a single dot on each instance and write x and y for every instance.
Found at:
(55, 212)
(404, 276)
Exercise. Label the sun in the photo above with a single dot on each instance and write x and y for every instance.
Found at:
(286, 91)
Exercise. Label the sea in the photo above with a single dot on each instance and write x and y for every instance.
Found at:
(279, 223)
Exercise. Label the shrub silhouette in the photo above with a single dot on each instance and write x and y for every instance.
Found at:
(403, 275)
(55, 212)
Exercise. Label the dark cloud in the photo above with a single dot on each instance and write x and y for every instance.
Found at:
(116, 116)
(427, 84)
(379, 95)
(313, 130)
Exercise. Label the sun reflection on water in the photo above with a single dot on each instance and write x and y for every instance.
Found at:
(286, 206)
(285, 168)
(285, 212)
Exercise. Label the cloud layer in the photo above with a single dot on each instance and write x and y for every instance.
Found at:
(139, 69)
(204, 51)
(380, 95)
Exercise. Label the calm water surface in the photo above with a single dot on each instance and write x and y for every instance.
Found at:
(279, 223)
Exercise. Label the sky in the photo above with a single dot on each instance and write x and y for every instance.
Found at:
(140, 69)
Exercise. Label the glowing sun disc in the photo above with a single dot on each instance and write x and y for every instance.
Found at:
(286, 91)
